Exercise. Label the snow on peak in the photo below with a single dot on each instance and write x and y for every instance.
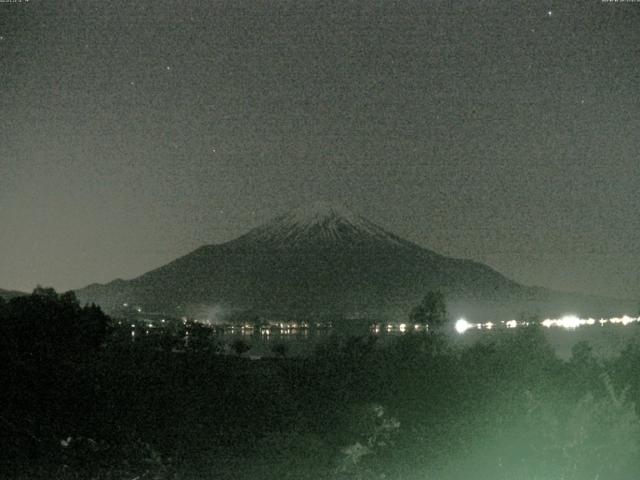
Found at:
(319, 223)
(319, 212)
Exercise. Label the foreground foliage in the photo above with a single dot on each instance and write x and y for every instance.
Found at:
(80, 400)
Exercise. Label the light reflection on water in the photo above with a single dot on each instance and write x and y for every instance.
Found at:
(570, 322)
(298, 341)
(607, 336)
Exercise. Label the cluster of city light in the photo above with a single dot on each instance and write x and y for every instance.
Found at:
(462, 325)
(396, 327)
(282, 328)
(569, 322)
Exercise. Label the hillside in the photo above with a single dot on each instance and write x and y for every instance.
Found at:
(9, 294)
(323, 260)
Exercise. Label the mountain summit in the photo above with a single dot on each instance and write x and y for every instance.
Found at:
(320, 211)
(322, 260)
(319, 224)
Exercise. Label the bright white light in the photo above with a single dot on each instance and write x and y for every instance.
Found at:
(570, 321)
(403, 327)
(462, 326)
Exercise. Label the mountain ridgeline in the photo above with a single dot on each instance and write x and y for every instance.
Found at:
(325, 261)
(9, 294)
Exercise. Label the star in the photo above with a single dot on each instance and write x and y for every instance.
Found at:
(550, 12)
(168, 68)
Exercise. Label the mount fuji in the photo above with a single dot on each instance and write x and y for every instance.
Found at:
(324, 260)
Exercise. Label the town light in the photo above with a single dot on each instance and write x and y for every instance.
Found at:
(462, 326)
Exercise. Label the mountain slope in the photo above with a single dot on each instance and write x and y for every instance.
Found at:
(9, 294)
(317, 260)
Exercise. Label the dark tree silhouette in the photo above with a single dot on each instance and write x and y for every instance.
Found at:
(202, 338)
(47, 341)
(46, 325)
(280, 349)
(432, 311)
(239, 346)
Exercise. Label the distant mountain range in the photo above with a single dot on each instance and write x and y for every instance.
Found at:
(324, 260)
(9, 294)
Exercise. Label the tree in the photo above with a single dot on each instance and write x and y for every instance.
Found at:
(201, 337)
(45, 326)
(280, 349)
(432, 311)
(600, 439)
(374, 433)
(47, 346)
(239, 346)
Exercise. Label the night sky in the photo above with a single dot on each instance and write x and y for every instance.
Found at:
(505, 131)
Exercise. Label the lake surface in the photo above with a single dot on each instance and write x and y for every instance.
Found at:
(607, 341)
